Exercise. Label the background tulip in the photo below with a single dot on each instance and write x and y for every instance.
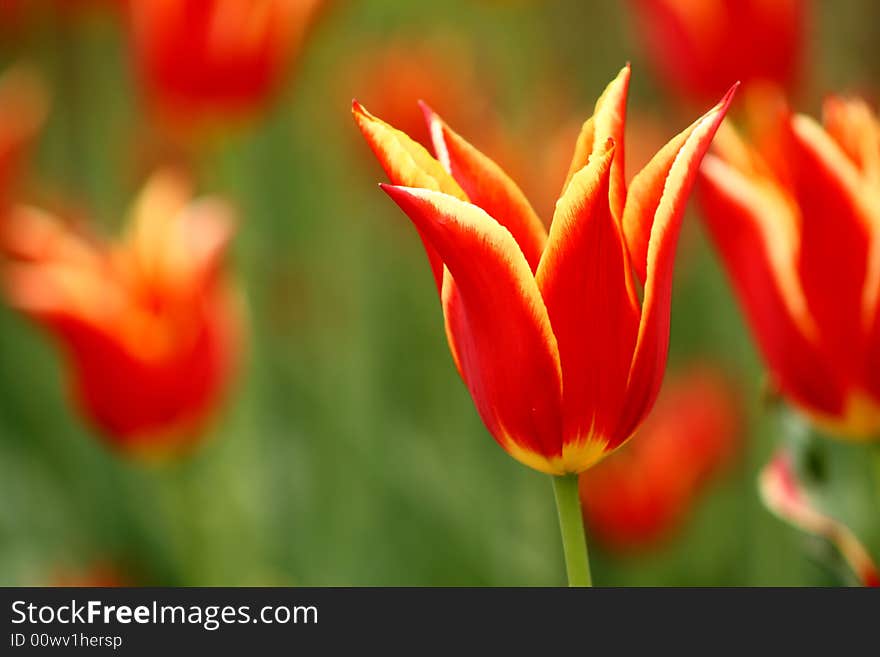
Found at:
(641, 494)
(201, 59)
(794, 216)
(149, 324)
(699, 47)
(786, 496)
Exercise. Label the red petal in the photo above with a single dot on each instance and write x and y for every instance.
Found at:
(835, 234)
(582, 278)
(608, 122)
(488, 186)
(755, 231)
(501, 330)
(407, 163)
(649, 360)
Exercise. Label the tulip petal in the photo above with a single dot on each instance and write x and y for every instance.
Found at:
(489, 187)
(608, 122)
(649, 359)
(583, 282)
(784, 495)
(506, 348)
(407, 163)
(646, 191)
(833, 223)
(754, 228)
(856, 130)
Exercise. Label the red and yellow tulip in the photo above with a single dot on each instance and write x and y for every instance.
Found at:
(795, 215)
(562, 357)
(639, 495)
(698, 47)
(149, 324)
(214, 58)
(784, 494)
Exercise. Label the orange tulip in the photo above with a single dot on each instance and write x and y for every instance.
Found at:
(700, 46)
(561, 357)
(149, 324)
(22, 110)
(640, 494)
(785, 496)
(796, 218)
(214, 58)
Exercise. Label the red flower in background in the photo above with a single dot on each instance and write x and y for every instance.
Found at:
(699, 47)
(783, 493)
(643, 492)
(561, 357)
(441, 72)
(150, 324)
(795, 216)
(22, 110)
(202, 59)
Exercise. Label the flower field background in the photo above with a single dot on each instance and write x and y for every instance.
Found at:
(346, 450)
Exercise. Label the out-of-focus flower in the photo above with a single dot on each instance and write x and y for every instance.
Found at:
(699, 47)
(637, 496)
(557, 383)
(209, 59)
(22, 110)
(795, 216)
(150, 324)
(441, 72)
(101, 575)
(785, 496)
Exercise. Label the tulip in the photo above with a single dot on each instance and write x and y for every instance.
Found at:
(699, 46)
(441, 71)
(149, 324)
(22, 110)
(202, 59)
(642, 493)
(784, 494)
(561, 357)
(795, 216)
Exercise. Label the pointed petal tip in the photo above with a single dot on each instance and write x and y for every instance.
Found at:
(398, 192)
(728, 97)
(431, 117)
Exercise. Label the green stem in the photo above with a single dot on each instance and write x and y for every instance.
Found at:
(571, 524)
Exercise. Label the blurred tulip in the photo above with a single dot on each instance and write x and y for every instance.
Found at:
(784, 495)
(101, 575)
(521, 305)
(207, 59)
(639, 495)
(796, 218)
(699, 47)
(22, 111)
(441, 72)
(150, 324)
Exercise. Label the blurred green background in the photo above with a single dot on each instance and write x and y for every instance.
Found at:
(350, 452)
